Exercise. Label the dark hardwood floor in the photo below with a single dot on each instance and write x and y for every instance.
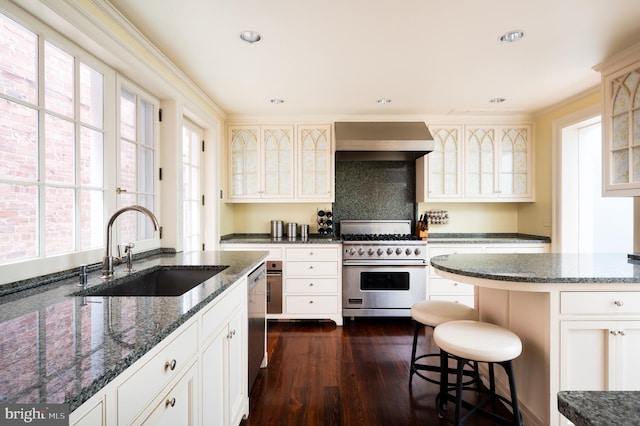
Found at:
(357, 374)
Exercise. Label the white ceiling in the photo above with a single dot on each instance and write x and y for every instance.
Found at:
(430, 57)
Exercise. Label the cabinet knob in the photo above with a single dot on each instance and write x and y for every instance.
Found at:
(311, 302)
(170, 402)
(310, 284)
(170, 365)
(310, 253)
(231, 334)
(311, 267)
(618, 303)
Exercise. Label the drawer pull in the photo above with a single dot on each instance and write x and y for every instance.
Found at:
(231, 334)
(170, 402)
(310, 253)
(310, 284)
(311, 302)
(618, 303)
(311, 267)
(170, 365)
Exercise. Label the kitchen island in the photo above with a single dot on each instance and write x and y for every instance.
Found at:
(578, 317)
(58, 347)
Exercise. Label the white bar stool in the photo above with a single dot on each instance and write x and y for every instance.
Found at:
(431, 313)
(466, 341)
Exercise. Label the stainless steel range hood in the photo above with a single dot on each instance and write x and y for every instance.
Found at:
(382, 141)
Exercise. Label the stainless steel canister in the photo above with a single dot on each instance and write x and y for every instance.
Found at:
(277, 227)
(292, 231)
(304, 232)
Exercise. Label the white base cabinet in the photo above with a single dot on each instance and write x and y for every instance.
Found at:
(311, 279)
(195, 376)
(439, 288)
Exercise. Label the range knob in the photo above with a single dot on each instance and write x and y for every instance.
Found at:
(417, 252)
(408, 252)
(389, 250)
(380, 251)
(370, 252)
(352, 251)
(360, 251)
(398, 251)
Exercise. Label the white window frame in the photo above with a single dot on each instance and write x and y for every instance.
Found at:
(43, 265)
(141, 94)
(193, 129)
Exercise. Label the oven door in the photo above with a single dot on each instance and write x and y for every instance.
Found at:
(374, 289)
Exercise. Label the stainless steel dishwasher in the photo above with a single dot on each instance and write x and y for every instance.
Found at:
(257, 310)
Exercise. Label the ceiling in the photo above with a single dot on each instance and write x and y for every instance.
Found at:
(430, 57)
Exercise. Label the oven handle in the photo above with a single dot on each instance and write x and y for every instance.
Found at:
(384, 263)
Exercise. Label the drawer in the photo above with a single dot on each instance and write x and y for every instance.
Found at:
(312, 305)
(443, 286)
(465, 300)
(147, 380)
(312, 253)
(311, 269)
(312, 285)
(600, 302)
(218, 315)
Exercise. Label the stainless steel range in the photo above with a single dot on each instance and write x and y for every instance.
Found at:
(384, 268)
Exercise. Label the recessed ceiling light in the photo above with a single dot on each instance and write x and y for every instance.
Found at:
(384, 101)
(511, 36)
(250, 36)
(276, 101)
(497, 100)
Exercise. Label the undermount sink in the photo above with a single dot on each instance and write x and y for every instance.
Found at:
(158, 282)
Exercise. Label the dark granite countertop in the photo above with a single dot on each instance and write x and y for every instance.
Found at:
(485, 238)
(542, 267)
(57, 348)
(600, 408)
(267, 239)
(434, 238)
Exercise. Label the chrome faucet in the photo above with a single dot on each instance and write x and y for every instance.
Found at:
(108, 260)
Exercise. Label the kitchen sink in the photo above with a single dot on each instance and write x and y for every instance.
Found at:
(173, 281)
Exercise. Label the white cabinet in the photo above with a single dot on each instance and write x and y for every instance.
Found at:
(621, 123)
(178, 406)
(599, 340)
(261, 161)
(315, 163)
(197, 372)
(280, 163)
(439, 288)
(439, 174)
(312, 276)
(477, 163)
(498, 163)
(135, 392)
(224, 362)
(600, 355)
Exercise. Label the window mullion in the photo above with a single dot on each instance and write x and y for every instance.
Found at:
(41, 209)
(77, 163)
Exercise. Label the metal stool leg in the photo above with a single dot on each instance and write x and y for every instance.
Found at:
(412, 368)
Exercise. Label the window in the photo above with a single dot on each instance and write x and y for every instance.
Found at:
(51, 147)
(192, 137)
(136, 159)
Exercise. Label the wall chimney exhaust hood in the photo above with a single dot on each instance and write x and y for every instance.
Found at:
(382, 141)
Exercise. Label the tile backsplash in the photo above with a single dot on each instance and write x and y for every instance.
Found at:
(375, 190)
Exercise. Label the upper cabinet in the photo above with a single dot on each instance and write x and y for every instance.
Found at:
(444, 165)
(281, 163)
(315, 163)
(621, 124)
(477, 163)
(498, 163)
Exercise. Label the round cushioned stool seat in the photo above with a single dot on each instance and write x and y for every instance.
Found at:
(436, 312)
(478, 341)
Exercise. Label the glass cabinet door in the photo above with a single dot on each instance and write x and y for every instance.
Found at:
(315, 162)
